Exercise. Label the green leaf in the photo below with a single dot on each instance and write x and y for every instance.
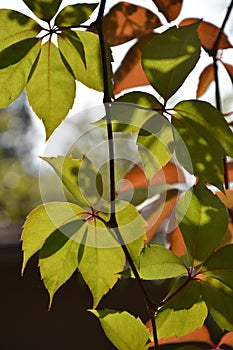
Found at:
(13, 78)
(204, 223)
(206, 154)
(220, 265)
(184, 313)
(219, 299)
(210, 119)
(155, 143)
(49, 81)
(74, 14)
(80, 177)
(124, 330)
(157, 262)
(42, 222)
(141, 98)
(169, 58)
(15, 26)
(44, 9)
(59, 258)
(89, 73)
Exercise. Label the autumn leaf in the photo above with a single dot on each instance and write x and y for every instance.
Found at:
(169, 8)
(208, 33)
(130, 73)
(206, 77)
(229, 69)
(126, 21)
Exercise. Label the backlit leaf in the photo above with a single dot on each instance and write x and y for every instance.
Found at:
(49, 81)
(42, 222)
(168, 67)
(220, 265)
(207, 33)
(206, 77)
(130, 73)
(74, 14)
(123, 330)
(229, 69)
(80, 177)
(15, 26)
(226, 339)
(142, 99)
(158, 263)
(13, 78)
(88, 71)
(184, 313)
(204, 223)
(127, 21)
(44, 9)
(169, 8)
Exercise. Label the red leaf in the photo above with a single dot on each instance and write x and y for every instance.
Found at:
(207, 33)
(230, 171)
(229, 69)
(227, 339)
(206, 77)
(130, 72)
(169, 8)
(126, 21)
(177, 242)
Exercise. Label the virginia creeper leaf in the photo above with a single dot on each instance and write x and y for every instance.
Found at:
(127, 21)
(74, 14)
(169, 8)
(229, 69)
(206, 77)
(49, 81)
(44, 9)
(184, 313)
(80, 177)
(88, 71)
(13, 78)
(124, 330)
(157, 262)
(15, 26)
(142, 99)
(207, 33)
(130, 73)
(168, 67)
(204, 223)
(42, 222)
(218, 298)
(220, 265)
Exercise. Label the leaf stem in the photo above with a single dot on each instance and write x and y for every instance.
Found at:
(98, 24)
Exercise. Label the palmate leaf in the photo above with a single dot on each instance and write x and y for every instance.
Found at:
(80, 177)
(15, 27)
(14, 77)
(89, 70)
(157, 262)
(44, 9)
(204, 223)
(184, 313)
(123, 329)
(49, 80)
(74, 14)
(168, 67)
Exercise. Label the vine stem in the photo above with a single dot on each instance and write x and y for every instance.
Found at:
(151, 308)
(214, 53)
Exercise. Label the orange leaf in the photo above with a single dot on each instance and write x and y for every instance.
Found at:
(177, 242)
(229, 70)
(169, 8)
(207, 33)
(227, 339)
(130, 73)
(226, 198)
(206, 77)
(126, 21)
(230, 171)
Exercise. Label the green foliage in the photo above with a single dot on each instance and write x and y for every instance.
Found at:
(74, 15)
(44, 9)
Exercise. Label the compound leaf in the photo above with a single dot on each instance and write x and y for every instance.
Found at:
(44, 9)
(14, 77)
(157, 262)
(15, 26)
(74, 14)
(124, 330)
(168, 67)
(49, 80)
(204, 223)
